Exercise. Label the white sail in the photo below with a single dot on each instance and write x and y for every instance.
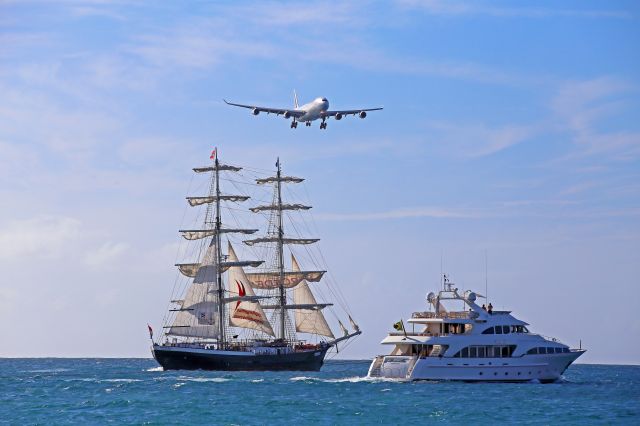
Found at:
(244, 314)
(198, 315)
(308, 320)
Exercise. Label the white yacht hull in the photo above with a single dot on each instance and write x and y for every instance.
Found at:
(544, 368)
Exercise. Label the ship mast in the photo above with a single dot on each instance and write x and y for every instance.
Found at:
(282, 279)
(197, 305)
(220, 289)
(282, 300)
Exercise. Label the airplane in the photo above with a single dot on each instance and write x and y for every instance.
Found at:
(314, 110)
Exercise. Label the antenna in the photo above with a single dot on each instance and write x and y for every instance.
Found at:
(486, 277)
(441, 273)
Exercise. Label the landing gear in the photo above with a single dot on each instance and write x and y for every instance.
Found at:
(323, 125)
(294, 124)
(308, 124)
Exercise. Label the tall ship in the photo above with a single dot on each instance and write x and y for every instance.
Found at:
(234, 314)
(475, 343)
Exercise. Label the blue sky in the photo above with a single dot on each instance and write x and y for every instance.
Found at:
(509, 127)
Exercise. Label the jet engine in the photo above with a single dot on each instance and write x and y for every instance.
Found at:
(255, 111)
(338, 116)
(362, 114)
(286, 114)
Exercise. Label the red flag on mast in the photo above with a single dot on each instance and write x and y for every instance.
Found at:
(214, 153)
(150, 331)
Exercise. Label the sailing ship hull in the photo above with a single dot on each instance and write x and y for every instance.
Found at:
(189, 358)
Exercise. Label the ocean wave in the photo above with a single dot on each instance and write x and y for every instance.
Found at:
(204, 379)
(357, 379)
(119, 380)
(154, 369)
(47, 370)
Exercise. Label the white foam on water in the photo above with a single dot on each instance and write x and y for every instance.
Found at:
(204, 379)
(257, 381)
(120, 380)
(154, 369)
(301, 378)
(177, 385)
(47, 370)
(356, 379)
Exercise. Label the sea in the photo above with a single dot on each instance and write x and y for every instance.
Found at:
(137, 391)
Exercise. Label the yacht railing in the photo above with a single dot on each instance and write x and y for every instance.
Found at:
(446, 315)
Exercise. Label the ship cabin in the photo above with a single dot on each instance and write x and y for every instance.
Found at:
(431, 333)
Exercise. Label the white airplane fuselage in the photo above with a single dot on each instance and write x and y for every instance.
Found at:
(313, 110)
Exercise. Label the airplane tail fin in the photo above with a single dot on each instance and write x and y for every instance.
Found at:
(295, 99)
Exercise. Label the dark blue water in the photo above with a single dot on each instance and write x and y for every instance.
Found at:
(135, 391)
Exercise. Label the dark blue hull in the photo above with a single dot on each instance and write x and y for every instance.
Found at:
(185, 358)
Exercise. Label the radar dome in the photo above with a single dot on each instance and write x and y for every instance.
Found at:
(471, 296)
(431, 297)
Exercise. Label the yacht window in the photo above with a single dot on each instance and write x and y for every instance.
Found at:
(525, 329)
(465, 353)
(498, 329)
(488, 331)
(565, 350)
(558, 350)
(532, 351)
(473, 352)
(505, 329)
(481, 352)
(542, 350)
(489, 351)
(505, 352)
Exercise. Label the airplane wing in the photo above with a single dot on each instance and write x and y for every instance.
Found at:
(278, 111)
(349, 112)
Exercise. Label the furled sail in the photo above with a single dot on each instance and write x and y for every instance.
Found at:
(220, 167)
(272, 179)
(284, 240)
(308, 320)
(197, 201)
(243, 313)
(271, 280)
(281, 207)
(190, 269)
(198, 315)
(196, 234)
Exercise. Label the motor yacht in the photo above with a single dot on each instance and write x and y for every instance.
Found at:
(473, 343)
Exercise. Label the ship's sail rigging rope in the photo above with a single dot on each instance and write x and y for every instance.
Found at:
(236, 216)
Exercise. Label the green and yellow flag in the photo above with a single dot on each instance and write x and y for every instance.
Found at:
(399, 326)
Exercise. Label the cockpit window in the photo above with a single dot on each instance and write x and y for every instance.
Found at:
(324, 99)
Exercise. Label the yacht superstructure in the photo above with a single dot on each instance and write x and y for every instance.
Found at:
(471, 344)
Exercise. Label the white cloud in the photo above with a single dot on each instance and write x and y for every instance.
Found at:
(44, 236)
(106, 254)
(580, 107)
(406, 213)
(197, 44)
(460, 8)
(478, 139)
